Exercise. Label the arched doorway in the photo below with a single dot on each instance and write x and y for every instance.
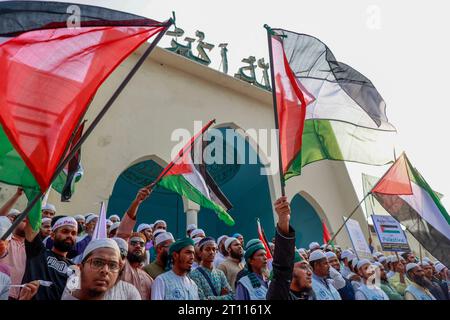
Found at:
(246, 189)
(306, 222)
(162, 204)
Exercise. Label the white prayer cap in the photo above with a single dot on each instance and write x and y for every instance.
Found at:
(229, 241)
(347, 254)
(159, 221)
(191, 227)
(164, 236)
(65, 221)
(427, 260)
(317, 255)
(79, 217)
(197, 240)
(13, 212)
(354, 262)
(323, 246)
(123, 245)
(330, 255)
(143, 226)
(377, 254)
(394, 259)
(44, 220)
(158, 232)
(49, 207)
(439, 267)
(114, 226)
(382, 259)
(197, 232)
(361, 263)
(115, 216)
(437, 262)
(378, 264)
(109, 223)
(221, 238)
(91, 217)
(302, 250)
(100, 243)
(411, 266)
(5, 224)
(424, 263)
(314, 245)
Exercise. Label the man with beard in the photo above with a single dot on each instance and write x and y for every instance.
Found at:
(233, 263)
(147, 231)
(175, 284)
(211, 282)
(323, 286)
(81, 220)
(417, 290)
(291, 273)
(385, 285)
(221, 252)
(50, 265)
(254, 285)
(398, 280)
(346, 257)
(441, 278)
(162, 243)
(409, 257)
(15, 256)
(433, 286)
(368, 290)
(346, 291)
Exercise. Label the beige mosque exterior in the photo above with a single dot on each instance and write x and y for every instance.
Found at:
(171, 92)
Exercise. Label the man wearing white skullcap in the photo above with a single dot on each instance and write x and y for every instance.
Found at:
(114, 218)
(50, 265)
(99, 272)
(48, 211)
(190, 228)
(399, 280)
(159, 224)
(442, 278)
(46, 227)
(343, 285)
(385, 285)
(13, 214)
(147, 231)
(222, 254)
(417, 290)
(81, 220)
(314, 246)
(322, 286)
(198, 233)
(233, 263)
(113, 229)
(433, 284)
(162, 242)
(368, 290)
(346, 257)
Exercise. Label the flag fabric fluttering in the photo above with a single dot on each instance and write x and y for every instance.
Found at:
(100, 227)
(262, 237)
(326, 233)
(43, 97)
(65, 181)
(326, 109)
(405, 194)
(185, 178)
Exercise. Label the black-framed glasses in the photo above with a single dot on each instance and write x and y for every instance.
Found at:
(99, 264)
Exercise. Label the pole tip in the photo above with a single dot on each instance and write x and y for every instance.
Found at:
(267, 26)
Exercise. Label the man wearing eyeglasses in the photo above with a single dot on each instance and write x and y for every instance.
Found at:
(132, 271)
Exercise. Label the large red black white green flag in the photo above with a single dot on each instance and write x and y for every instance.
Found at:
(405, 194)
(53, 58)
(325, 108)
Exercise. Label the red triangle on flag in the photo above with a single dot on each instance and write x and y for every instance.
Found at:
(396, 180)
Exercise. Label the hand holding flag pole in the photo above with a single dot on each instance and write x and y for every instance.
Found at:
(98, 118)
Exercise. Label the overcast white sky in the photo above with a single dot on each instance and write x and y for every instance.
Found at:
(402, 46)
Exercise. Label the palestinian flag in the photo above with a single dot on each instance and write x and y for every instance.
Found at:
(262, 237)
(325, 108)
(65, 181)
(189, 180)
(405, 194)
(385, 228)
(53, 58)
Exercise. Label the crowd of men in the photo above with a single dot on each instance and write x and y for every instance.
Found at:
(63, 261)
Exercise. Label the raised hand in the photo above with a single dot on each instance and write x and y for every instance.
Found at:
(283, 210)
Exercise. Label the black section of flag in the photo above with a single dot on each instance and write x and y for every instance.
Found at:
(17, 17)
(73, 166)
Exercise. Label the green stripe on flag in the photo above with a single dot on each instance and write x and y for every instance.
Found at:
(178, 184)
(13, 171)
